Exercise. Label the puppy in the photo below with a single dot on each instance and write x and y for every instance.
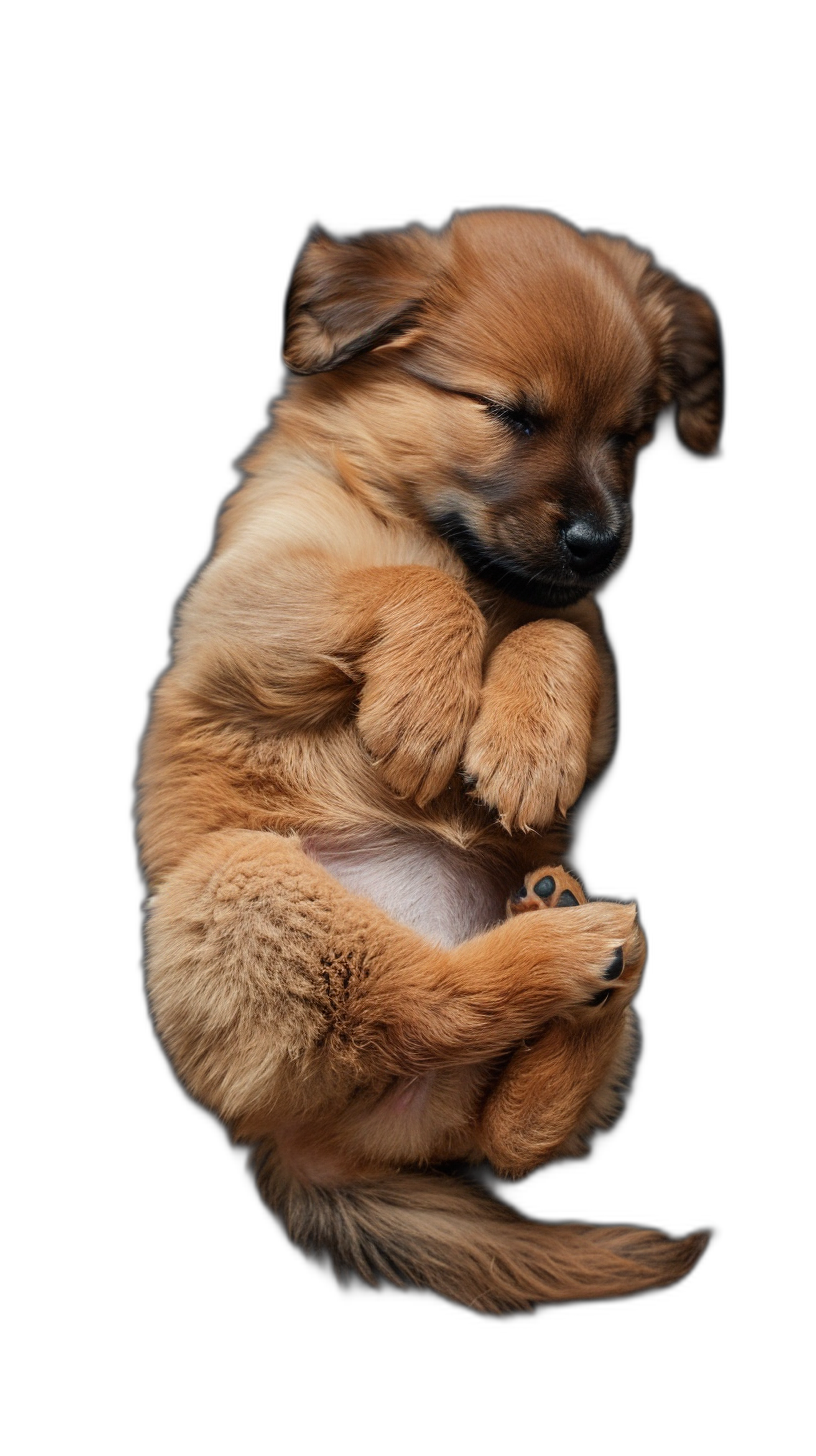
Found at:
(389, 684)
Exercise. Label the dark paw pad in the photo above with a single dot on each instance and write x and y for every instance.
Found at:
(600, 998)
(543, 889)
(565, 898)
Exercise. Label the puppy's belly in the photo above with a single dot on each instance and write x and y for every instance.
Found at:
(433, 887)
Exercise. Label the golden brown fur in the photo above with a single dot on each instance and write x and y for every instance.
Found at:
(389, 685)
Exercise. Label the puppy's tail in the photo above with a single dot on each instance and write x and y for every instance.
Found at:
(447, 1234)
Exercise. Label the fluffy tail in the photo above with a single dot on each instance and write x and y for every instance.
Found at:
(446, 1234)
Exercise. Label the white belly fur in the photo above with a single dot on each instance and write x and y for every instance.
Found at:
(433, 887)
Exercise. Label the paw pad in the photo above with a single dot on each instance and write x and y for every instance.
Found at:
(553, 889)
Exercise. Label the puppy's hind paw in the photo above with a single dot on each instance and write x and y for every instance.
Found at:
(604, 948)
(551, 888)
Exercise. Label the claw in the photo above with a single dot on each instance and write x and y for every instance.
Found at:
(615, 966)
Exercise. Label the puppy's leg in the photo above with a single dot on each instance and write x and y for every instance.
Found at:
(422, 673)
(297, 642)
(528, 751)
(281, 998)
(279, 994)
(555, 1091)
(586, 615)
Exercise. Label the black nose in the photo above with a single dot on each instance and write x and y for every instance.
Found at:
(591, 546)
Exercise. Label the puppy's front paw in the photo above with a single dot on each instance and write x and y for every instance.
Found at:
(530, 772)
(528, 749)
(420, 697)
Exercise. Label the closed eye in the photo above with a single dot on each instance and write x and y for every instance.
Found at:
(621, 441)
(514, 419)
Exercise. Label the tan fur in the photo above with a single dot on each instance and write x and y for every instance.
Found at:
(351, 707)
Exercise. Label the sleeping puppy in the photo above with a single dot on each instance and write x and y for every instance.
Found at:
(389, 684)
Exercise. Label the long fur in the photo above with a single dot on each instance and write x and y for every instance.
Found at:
(389, 685)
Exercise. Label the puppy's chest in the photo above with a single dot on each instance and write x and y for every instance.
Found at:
(435, 888)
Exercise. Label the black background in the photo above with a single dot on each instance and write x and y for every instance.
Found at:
(209, 238)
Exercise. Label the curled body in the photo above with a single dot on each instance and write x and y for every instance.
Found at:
(389, 685)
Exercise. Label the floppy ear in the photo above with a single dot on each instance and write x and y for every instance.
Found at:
(350, 295)
(688, 336)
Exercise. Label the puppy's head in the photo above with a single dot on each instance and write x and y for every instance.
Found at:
(505, 372)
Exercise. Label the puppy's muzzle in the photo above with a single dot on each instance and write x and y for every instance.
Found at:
(589, 545)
